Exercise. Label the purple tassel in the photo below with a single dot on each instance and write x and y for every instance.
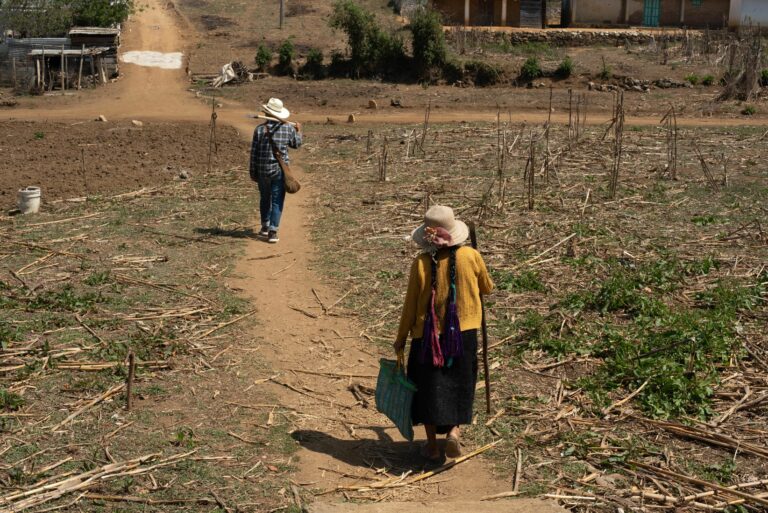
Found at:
(453, 346)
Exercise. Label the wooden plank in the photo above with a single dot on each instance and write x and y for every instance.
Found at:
(80, 73)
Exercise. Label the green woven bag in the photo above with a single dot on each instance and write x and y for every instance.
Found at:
(394, 395)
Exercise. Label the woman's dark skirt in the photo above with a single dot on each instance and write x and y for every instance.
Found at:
(445, 395)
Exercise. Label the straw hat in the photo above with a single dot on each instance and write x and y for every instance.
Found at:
(440, 230)
(275, 107)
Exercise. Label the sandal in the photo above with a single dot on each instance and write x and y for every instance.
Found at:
(452, 446)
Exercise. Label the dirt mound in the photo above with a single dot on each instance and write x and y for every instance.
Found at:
(116, 157)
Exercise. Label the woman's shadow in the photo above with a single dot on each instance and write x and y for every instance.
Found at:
(367, 452)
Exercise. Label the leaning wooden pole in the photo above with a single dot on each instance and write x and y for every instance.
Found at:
(486, 370)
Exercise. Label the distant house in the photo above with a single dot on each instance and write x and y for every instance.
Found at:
(748, 12)
(600, 13)
(500, 13)
(651, 13)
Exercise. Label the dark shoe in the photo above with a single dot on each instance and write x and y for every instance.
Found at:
(264, 232)
(272, 237)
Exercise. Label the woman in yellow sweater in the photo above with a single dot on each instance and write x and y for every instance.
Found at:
(442, 313)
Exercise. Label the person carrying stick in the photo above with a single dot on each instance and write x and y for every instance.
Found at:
(443, 312)
(276, 135)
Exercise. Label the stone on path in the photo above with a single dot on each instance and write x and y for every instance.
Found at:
(373, 105)
(501, 506)
(136, 122)
(351, 118)
(102, 118)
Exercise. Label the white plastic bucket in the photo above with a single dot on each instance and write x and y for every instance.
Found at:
(29, 200)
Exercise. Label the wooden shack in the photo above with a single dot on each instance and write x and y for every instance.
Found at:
(63, 68)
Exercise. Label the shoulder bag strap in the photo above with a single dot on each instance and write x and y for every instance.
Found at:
(275, 150)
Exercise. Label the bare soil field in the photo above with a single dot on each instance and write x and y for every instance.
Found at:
(80, 159)
(335, 100)
(145, 272)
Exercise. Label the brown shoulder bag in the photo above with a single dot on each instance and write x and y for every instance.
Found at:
(292, 185)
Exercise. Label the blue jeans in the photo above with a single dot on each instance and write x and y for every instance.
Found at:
(272, 191)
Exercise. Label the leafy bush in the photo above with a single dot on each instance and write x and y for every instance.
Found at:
(286, 54)
(606, 73)
(483, 73)
(566, 68)
(531, 69)
(764, 78)
(10, 401)
(430, 52)
(372, 51)
(453, 71)
(749, 110)
(526, 281)
(693, 79)
(66, 299)
(339, 67)
(263, 58)
(390, 57)
(708, 80)
(314, 68)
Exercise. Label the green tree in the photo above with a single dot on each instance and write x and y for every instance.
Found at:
(263, 57)
(372, 51)
(39, 18)
(430, 51)
(314, 68)
(286, 54)
(100, 13)
(36, 18)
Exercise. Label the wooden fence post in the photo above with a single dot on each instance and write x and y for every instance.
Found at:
(80, 72)
(63, 71)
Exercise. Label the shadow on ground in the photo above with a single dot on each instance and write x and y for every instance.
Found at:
(242, 233)
(384, 452)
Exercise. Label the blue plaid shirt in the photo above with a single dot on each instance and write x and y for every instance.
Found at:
(263, 161)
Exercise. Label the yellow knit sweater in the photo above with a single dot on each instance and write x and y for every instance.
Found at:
(471, 280)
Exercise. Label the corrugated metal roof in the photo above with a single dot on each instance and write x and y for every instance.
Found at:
(20, 48)
(40, 41)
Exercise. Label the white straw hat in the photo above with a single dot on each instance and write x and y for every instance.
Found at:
(440, 217)
(275, 107)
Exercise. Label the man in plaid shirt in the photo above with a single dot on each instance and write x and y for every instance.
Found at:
(265, 169)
